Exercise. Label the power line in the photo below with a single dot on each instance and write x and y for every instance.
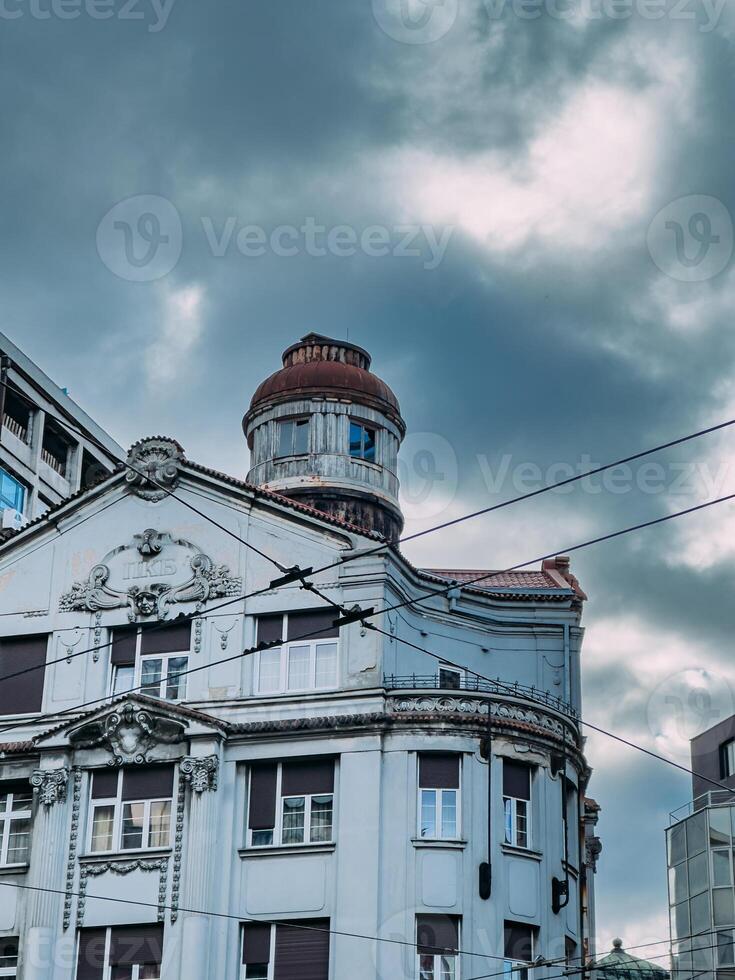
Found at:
(242, 919)
(510, 690)
(485, 510)
(372, 613)
(148, 477)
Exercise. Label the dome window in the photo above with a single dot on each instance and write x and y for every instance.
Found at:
(293, 437)
(362, 441)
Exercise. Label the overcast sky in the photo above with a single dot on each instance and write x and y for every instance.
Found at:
(521, 209)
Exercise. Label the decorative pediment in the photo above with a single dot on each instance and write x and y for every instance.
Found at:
(149, 575)
(128, 732)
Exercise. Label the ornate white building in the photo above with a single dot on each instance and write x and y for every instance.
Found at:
(337, 805)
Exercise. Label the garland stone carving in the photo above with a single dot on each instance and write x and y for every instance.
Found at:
(155, 466)
(150, 574)
(50, 784)
(73, 843)
(200, 772)
(122, 868)
(178, 849)
(478, 706)
(129, 733)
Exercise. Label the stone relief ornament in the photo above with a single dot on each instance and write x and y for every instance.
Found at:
(200, 772)
(129, 733)
(154, 467)
(123, 868)
(149, 575)
(50, 784)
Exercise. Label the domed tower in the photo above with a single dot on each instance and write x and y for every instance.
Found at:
(325, 431)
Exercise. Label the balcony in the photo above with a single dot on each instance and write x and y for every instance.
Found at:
(14, 426)
(454, 681)
(716, 797)
(56, 464)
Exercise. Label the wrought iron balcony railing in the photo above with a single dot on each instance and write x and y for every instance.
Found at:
(470, 682)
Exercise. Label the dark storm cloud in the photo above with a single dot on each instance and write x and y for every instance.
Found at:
(271, 113)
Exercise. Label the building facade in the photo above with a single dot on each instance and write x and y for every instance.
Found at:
(337, 803)
(49, 447)
(700, 846)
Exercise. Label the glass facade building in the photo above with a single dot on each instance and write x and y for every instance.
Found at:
(701, 897)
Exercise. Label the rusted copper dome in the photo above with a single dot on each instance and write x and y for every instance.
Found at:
(327, 368)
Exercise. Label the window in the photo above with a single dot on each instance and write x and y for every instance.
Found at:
(517, 803)
(18, 415)
(439, 796)
(450, 678)
(726, 947)
(120, 953)
(12, 492)
(285, 951)
(293, 437)
(437, 947)
(298, 664)
(55, 448)
(8, 957)
(16, 801)
(727, 759)
(291, 803)
(362, 441)
(152, 659)
(22, 694)
(520, 942)
(131, 808)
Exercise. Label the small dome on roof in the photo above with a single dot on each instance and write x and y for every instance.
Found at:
(326, 367)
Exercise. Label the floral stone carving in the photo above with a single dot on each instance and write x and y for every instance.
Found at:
(200, 772)
(154, 466)
(129, 733)
(50, 784)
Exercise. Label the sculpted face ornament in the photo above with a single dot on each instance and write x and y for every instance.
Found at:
(155, 467)
(149, 575)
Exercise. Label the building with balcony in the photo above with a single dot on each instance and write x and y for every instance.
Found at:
(49, 447)
(700, 843)
(336, 802)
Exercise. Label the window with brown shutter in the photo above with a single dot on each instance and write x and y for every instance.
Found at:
(153, 659)
(437, 945)
(439, 796)
(22, 670)
(131, 808)
(306, 660)
(291, 803)
(517, 780)
(134, 952)
(302, 950)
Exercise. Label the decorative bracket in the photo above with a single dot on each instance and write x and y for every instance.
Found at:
(200, 772)
(50, 784)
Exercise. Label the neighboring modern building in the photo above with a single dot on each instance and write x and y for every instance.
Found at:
(619, 965)
(49, 447)
(700, 842)
(337, 804)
